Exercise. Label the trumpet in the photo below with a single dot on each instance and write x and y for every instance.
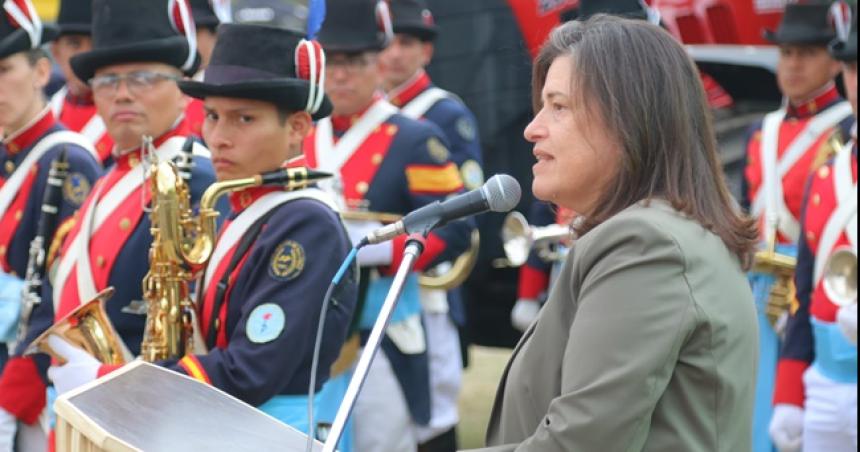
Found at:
(519, 238)
(89, 328)
(840, 277)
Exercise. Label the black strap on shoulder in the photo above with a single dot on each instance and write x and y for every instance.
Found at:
(248, 239)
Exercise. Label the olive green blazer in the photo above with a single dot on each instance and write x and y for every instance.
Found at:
(648, 342)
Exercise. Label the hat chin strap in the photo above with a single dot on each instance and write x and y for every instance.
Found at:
(28, 21)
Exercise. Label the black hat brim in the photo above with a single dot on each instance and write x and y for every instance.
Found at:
(845, 51)
(352, 47)
(422, 33)
(289, 94)
(815, 39)
(19, 41)
(172, 51)
(75, 29)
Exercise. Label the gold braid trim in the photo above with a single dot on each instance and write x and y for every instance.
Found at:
(59, 236)
(827, 150)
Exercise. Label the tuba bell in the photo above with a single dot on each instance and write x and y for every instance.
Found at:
(445, 276)
(840, 277)
(519, 238)
(89, 328)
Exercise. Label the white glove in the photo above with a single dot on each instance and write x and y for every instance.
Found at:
(8, 425)
(80, 367)
(846, 318)
(786, 427)
(371, 255)
(524, 313)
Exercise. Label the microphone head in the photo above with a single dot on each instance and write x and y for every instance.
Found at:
(502, 193)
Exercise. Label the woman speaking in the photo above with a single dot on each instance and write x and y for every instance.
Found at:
(648, 339)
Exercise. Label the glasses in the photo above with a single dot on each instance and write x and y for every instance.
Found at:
(349, 63)
(136, 82)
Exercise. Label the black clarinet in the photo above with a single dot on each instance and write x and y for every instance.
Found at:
(185, 160)
(36, 262)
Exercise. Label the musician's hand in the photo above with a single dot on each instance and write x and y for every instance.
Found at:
(846, 318)
(8, 425)
(786, 427)
(524, 313)
(80, 367)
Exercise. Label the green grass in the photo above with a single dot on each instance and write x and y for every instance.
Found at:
(480, 381)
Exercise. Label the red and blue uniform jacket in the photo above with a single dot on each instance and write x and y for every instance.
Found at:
(811, 337)
(261, 307)
(401, 166)
(796, 120)
(460, 128)
(18, 223)
(79, 114)
(119, 252)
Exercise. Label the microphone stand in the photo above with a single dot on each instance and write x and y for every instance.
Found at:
(414, 248)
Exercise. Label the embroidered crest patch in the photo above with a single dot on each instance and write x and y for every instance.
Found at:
(76, 188)
(466, 128)
(265, 323)
(472, 174)
(288, 261)
(438, 152)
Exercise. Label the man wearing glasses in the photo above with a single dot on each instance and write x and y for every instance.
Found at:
(33, 139)
(386, 163)
(139, 52)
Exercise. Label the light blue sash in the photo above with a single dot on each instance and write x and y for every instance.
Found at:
(408, 305)
(10, 306)
(769, 345)
(835, 357)
(293, 410)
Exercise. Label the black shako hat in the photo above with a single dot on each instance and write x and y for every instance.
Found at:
(631, 9)
(262, 63)
(204, 15)
(846, 49)
(21, 28)
(803, 24)
(411, 17)
(126, 31)
(75, 17)
(355, 26)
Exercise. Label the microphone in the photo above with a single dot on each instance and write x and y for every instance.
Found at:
(499, 194)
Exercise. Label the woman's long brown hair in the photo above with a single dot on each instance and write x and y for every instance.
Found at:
(648, 93)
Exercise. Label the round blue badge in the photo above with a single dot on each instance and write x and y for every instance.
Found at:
(265, 323)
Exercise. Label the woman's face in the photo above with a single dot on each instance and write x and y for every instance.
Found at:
(576, 154)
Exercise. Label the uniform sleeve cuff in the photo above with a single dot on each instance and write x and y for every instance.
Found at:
(106, 369)
(533, 282)
(789, 382)
(191, 365)
(22, 392)
(433, 248)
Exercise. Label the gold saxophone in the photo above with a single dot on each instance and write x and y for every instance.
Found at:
(183, 243)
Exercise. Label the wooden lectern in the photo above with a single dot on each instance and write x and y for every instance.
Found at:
(143, 407)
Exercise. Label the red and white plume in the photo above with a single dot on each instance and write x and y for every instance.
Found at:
(179, 12)
(22, 14)
(840, 15)
(383, 20)
(310, 66)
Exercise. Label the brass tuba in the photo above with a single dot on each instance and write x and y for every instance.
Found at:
(89, 328)
(445, 276)
(519, 238)
(840, 277)
(182, 244)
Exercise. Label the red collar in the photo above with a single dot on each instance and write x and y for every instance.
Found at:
(240, 200)
(827, 97)
(131, 158)
(404, 93)
(341, 124)
(26, 137)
